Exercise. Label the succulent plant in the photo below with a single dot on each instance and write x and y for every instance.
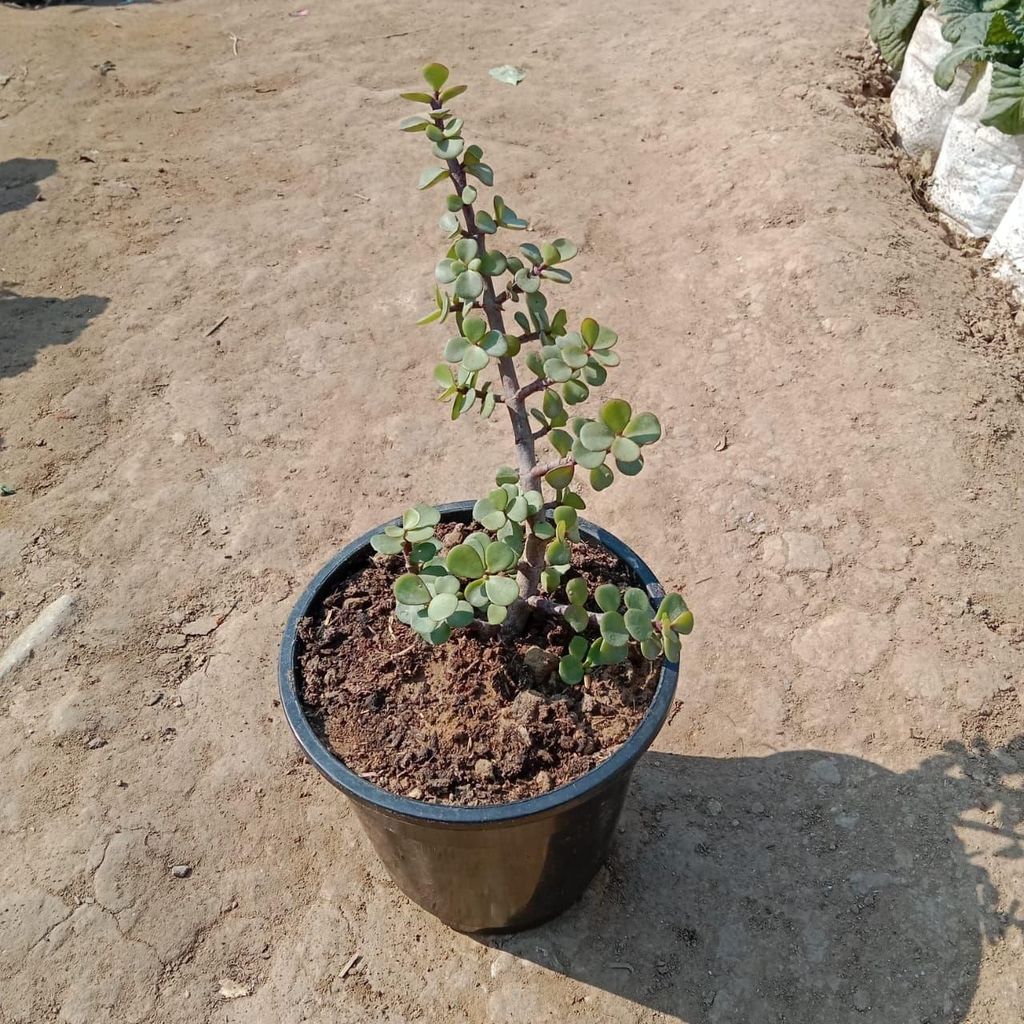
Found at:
(518, 559)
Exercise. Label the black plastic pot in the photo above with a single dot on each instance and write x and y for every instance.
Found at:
(500, 867)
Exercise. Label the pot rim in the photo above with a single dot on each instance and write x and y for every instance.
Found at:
(360, 789)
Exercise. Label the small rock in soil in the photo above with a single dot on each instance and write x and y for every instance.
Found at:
(154, 698)
(96, 742)
(861, 1002)
(541, 663)
(543, 781)
(181, 871)
(714, 808)
(201, 627)
(171, 642)
(484, 769)
(526, 705)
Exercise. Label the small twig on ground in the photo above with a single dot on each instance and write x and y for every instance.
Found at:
(221, 618)
(352, 961)
(234, 42)
(217, 326)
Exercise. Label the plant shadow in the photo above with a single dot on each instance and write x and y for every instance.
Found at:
(19, 181)
(803, 887)
(31, 323)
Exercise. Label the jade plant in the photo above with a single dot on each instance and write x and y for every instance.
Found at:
(517, 561)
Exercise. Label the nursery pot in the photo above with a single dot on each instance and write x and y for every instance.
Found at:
(499, 867)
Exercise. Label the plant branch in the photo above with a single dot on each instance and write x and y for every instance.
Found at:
(540, 384)
(526, 454)
(549, 607)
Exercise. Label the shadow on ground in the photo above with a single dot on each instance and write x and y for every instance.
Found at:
(19, 178)
(803, 887)
(31, 323)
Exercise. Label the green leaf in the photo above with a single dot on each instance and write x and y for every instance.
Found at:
(596, 436)
(449, 223)
(532, 253)
(561, 441)
(419, 534)
(496, 614)
(481, 172)
(453, 203)
(549, 253)
(589, 329)
(616, 415)
(557, 553)
(518, 510)
(557, 275)
(553, 409)
(639, 623)
(410, 589)
(578, 647)
(474, 328)
(466, 249)
(586, 458)
(549, 580)
(683, 623)
(423, 553)
(601, 478)
(385, 545)
(570, 670)
(508, 74)
(891, 24)
(574, 392)
(613, 629)
(526, 281)
(485, 223)
(565, 515)
(500, 556)
(561, 477)
(1005, 109)
(643, 429)
(577, 618)
(625, 450)
(469, 194)
(455, 90)
(462, 616)
(502, 590)
(574, 356)
(435, 75)
(493, 263)
(416, 123)
(556, 370)
(566, 250)
(651, 647)
(607, 597)
(469, 285)
(476, 593)
(574, 501)
(543, 529)
(634, 597)
(447, 149)
(443, 375)
(629, 468)
(417, 97)
(670, 645)
(606, 339)
(475, 359)
(499, 498)
(489, 517)
(456, 348)
(577, 591)
(494, 344)
(431, 176)
(442, 606)
(464, 561)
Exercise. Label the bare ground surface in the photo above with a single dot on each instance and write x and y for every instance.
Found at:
(826, 829)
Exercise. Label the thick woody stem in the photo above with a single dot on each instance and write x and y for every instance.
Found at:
(526, 455)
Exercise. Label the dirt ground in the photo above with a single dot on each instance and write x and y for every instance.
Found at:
(828, 829)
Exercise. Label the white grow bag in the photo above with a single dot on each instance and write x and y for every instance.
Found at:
(921, 110)
(979, 170)
(1007, 246)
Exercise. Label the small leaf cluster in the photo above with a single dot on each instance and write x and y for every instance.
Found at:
(625, 616)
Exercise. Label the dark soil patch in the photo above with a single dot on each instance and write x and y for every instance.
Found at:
(479, 720)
